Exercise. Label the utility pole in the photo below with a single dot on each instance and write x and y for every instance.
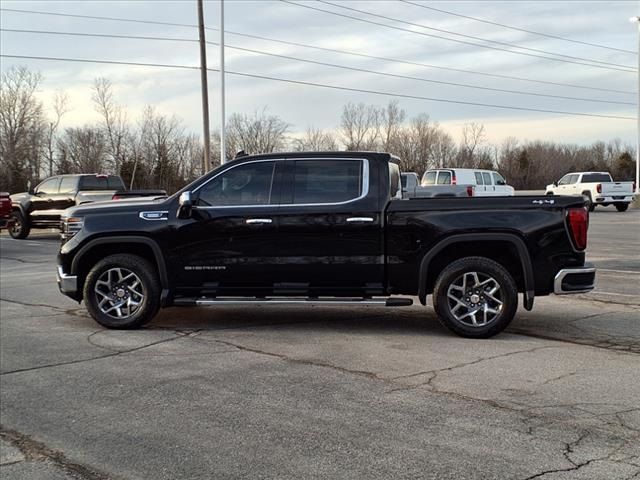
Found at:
(637, 21)
(223, 149)
(206, 162)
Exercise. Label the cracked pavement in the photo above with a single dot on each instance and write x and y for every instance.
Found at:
(321, 392)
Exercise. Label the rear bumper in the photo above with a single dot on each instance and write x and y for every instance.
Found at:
(614, 199)
(68, 284)
(575, 280)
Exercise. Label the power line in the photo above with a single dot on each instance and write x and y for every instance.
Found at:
(315, 62)
(473, 37)
(332, 50)
(621, 68)
(548, 35)
(328, 86)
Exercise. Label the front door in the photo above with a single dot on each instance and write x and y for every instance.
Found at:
(330, 229)
(229, 245)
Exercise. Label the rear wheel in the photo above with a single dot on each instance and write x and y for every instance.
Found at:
(622, 207)
(475, 297)
(122, 291)
(590, 205)
(20, 226)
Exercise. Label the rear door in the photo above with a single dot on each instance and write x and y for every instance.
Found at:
(330, 229)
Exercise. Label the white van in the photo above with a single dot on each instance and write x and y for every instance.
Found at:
(487, 183)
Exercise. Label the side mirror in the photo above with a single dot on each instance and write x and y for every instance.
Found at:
(185, 204)
(555, 184)
(30, 188)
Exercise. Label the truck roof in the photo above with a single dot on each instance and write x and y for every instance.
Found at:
(325, 154)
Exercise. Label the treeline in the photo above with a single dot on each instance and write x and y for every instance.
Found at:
(154, 150)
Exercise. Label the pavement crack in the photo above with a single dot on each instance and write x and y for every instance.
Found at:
(434, 373)
(91, 359)
(21, 260)
(301, 361)
(561, 377)
(37, 451)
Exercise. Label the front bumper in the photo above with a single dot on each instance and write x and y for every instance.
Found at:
(575, 280)
(68, 284)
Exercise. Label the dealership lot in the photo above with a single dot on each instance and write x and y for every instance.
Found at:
(323, 392)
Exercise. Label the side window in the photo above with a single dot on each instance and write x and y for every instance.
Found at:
(248, 184)
(479, 178)
(498, 179)
(486, 176)
(429, 178)
(444, 178)
(327, 181)
(564, 180)
(49, 186)
(68, 184)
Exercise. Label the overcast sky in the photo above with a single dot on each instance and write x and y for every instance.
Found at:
(177, 91)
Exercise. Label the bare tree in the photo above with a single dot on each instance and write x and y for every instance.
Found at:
(114, 121)
(21, 128)
(473, 137)
(360, 125)
(392, 119)
(60, 107)
(82, 150)
(260, 133)
(315, 140)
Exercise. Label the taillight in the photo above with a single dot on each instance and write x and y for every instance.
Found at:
(453, 179)
(470, 190)
(115, 197)
(578, 220)
(599, 188)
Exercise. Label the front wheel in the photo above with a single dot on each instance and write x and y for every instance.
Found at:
(20, 227)
(475, 297)
(622, 207)
(122, 291)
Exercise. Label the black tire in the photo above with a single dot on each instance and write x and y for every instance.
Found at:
(484, 267)
(622, 207)
(149, 287)
(20, 226)
(549, 193)
(590, 205)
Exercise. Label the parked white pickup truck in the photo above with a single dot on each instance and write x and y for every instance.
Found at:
(597, 187)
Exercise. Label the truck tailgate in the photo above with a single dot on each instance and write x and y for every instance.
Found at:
(617, 188)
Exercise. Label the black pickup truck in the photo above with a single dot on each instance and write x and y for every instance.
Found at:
(327, 228)
(42, 206)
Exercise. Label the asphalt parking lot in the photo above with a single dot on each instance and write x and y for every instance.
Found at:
(323, 392)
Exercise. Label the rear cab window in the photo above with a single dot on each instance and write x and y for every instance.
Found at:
(596, 178)
(93, 182)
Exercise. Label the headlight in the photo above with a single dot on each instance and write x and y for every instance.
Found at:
(69, 226)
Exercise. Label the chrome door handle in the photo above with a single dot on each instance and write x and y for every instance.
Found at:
(253, 221)
(360, 219)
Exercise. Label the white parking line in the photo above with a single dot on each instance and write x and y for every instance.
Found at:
(632, 272)
(617, 294)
